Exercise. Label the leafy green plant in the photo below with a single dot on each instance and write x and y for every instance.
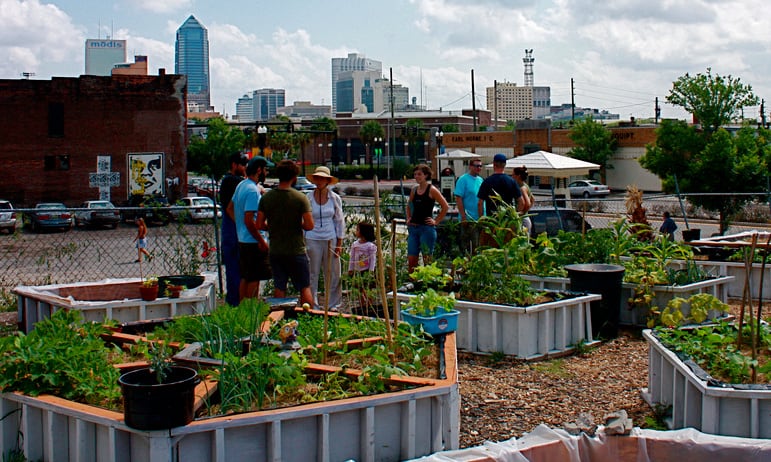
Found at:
(700, 306)
(430, 276)
(51, 359)
(429, 303)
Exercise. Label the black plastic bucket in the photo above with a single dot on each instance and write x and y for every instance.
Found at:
(605, 280)
(148, 405)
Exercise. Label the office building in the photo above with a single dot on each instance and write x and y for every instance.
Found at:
(383, 94)
(355, 91)
(266, 101)
(305, 110)
(511, 102)
(191, 58)
(354, 62)
(245, 109)
(103, 55)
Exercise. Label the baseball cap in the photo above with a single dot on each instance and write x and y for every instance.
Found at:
(259, 161)
(499, 158)
(239, 158)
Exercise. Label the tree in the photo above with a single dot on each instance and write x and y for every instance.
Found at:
(594, 142)
(718, 167)
(208, 154)
(714, 100)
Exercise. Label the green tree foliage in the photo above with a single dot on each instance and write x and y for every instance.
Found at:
(594, 142)
(721, 163)
(713, 99)
(370, 130)
(209, 154)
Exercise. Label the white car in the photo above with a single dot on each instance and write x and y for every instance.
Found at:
(7, 217)
(97, 213)
(587, 188)
(195, 208)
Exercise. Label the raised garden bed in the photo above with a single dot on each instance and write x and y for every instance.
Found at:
(700, 402)
(638, 316)
(116, 299)
(421, 418)
(532, 332)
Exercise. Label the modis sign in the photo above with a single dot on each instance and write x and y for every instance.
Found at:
(105, 43)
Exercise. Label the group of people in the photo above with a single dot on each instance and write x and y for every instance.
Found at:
(286, 235)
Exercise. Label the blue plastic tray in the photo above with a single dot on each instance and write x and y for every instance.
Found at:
(440, 324)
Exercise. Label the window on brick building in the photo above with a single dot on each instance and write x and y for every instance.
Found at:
(56, 120)
(64, 162)
(49, 163)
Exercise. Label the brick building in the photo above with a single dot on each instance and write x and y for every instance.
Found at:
(90, 137)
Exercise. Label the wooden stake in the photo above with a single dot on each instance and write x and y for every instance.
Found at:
(381, 265)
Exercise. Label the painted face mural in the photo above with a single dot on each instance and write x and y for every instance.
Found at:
(146, 173)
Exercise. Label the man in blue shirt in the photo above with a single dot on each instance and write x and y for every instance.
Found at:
(252, 246)
(466, 189)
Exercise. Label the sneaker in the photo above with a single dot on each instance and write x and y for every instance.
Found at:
(137, 261)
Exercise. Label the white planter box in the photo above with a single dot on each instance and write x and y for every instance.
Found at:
(639, 316)
(736, 269)
(532, 332)
(391, 426)
(717, 410)
(35, 303)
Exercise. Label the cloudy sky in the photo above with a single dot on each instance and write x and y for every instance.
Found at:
(621, 54)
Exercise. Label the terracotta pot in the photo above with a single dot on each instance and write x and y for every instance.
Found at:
(148, 293)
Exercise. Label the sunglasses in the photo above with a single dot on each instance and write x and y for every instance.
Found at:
(476, 165)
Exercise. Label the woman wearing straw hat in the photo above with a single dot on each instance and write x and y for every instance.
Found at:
(325, 241)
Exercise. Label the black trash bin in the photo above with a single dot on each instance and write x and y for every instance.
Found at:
(605, 280)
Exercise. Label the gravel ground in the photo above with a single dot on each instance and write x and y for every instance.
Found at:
(504, 399)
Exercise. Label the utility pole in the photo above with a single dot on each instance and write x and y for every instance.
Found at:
(657, 111)
(495, 103)
(473, 101)
(763, 112)
(572, 101)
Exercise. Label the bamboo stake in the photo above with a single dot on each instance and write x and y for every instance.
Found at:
(327, 272)
(393, 273)
(381, 264)
(747, 290)
(756, 342)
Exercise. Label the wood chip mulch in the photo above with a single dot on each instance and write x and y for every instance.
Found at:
(503, 400)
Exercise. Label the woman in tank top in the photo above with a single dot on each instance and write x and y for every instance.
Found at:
(421, 223)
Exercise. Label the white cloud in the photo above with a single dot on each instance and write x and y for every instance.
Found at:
(162, 6)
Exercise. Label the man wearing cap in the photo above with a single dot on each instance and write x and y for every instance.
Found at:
(325, 241)
(229, 235)
(286, 212)
(498, 185)
(254, 264)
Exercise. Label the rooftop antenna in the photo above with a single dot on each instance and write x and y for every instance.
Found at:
(528, 60)
(27, 75)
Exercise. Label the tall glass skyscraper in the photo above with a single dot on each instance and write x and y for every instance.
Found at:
(191, 58)
(266, 101)
(354, 62)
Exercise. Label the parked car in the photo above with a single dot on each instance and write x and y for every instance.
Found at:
(7, 217)
(587, 188)
(195, 208)
(154, 209)
(304, 184)
(50, 215)
(97, 213)
(551, 220)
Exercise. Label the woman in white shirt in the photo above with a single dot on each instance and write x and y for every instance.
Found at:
(324, 242)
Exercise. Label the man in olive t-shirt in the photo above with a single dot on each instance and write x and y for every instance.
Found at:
(286, 212)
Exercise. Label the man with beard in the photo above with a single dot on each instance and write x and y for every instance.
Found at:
(252, 246)
(229, 236)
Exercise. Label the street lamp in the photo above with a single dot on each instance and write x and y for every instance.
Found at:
(377, 142)
(262, 138)
(332, 156)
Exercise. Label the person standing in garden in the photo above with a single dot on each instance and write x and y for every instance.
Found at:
(324, 242)
(668, 227)
(501, 185)
(254, 265)
(421, 224)
(466, 189)
(520, 175)
(228, 185)
(286, 212)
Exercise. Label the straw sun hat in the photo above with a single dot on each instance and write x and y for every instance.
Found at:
(323, 172)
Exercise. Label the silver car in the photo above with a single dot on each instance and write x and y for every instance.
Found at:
(7, 217)
(587, 188)
(195, 208)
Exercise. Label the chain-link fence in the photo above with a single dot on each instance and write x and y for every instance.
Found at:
(178, 247)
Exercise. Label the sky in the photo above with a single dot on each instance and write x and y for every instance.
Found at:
(620, 54)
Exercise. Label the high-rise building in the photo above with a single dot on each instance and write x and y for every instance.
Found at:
(245, 109)
(102, 55)
(266, 101)
(354, 62)
(191, 58)
(511, 102)
(383, 93)
(356, 89)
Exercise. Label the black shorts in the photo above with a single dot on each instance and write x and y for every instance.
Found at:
(294, 267)
(253, 263)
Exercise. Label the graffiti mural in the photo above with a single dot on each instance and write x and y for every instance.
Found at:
(146, 173)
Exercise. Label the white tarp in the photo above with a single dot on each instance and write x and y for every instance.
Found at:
(542, 163)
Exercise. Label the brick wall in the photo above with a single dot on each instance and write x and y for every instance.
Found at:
(99, 116)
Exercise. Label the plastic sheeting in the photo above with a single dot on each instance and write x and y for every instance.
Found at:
(545, 444)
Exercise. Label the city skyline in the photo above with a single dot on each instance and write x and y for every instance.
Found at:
(621, 55)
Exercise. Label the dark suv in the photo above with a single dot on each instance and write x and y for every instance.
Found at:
(551, 220)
